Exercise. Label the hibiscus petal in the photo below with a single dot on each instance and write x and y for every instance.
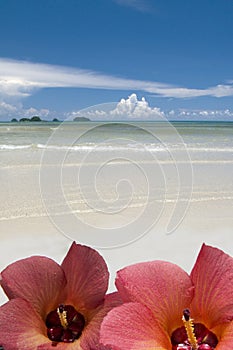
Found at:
(60, 346)
(161, 286)
(226, 340)
(38, 280)
(87, 277)
(21, 328)
(212, 276)
(90, 336)
(133, 327)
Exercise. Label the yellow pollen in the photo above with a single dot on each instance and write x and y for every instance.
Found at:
(62, 317)
(189, 327)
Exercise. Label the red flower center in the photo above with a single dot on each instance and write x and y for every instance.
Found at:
(193, 336)
(65, 324)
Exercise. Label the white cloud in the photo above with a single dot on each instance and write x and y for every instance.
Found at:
(225, 115)
(136, 109)
(43, 112)
(178, 92)
(20, 78)
(133, 108)
(6, 108)
(9, 111)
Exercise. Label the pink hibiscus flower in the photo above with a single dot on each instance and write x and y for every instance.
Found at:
(166, 309)
(52, 305)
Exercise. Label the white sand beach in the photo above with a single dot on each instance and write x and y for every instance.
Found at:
(37, 236)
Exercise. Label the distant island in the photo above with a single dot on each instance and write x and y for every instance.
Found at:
(37, 119)
(81, 119)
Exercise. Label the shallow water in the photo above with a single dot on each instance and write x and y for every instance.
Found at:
(113, 175)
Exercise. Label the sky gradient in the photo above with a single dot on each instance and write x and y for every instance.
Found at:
(158, 57)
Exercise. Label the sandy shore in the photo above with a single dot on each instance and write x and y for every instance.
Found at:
(209, 222)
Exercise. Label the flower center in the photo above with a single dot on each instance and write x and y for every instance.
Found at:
(193, 336)
(65, 324)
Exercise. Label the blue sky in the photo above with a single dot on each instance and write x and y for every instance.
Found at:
(173, 58)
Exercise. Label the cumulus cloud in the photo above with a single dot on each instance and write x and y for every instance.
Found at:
(21, 78)
(225, 115)
(131, 108)
(6, 108)
(9, 111)
(134, 109)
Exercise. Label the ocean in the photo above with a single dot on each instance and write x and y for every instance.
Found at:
(90, 177)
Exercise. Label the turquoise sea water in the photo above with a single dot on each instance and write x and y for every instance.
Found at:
(36, 135)
(113, 170)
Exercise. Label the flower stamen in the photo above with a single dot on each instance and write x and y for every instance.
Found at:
(64, 324)
(62, 313)
(189, 327)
